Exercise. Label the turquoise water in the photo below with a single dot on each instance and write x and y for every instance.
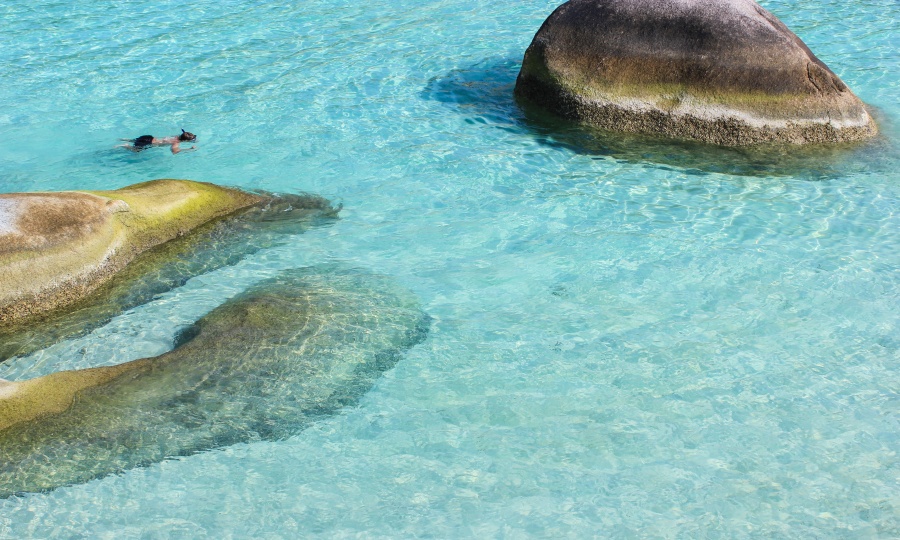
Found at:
(629, 339)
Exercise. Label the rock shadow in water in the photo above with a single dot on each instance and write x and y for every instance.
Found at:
(483, 93)
(218, 244)
(264, 365)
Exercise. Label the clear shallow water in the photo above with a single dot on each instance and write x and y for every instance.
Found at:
(626, 342)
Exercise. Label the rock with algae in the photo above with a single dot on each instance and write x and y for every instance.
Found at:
(721, 71)
(55, 248)
(263, 365)
(224, 241)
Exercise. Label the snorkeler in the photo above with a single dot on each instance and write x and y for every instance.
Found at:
(146, 141)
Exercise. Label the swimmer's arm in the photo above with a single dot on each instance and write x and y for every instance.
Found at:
(176, 147)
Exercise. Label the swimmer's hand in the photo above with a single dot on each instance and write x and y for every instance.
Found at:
(177, 148)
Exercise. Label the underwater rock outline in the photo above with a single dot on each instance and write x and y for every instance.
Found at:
(330, 294)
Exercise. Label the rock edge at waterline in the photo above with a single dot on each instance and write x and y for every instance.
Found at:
(55, 248)
(213, 245)
(726, 72)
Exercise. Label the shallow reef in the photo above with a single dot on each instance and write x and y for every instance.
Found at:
(290, 350)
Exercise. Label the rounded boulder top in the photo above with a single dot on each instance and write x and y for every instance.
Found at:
(721, 71)
(55, 248)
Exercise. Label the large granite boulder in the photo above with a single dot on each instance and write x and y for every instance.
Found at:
(55, 248)
(274, 220)
(722, 71)
(290, 350)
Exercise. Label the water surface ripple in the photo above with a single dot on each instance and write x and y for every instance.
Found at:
(631, 339)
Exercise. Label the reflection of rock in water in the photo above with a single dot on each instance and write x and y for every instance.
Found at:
(264, 365)
(215, 245)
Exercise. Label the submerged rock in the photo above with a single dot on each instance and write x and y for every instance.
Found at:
(221, 242)
(721, 71)
(55, 248)
(262, 366)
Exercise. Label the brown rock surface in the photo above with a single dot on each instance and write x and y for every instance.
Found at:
(57, 247)
(721, 71)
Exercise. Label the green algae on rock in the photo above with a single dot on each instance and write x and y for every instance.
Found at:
(726, 72)
(264, 365)
(55, 248)
(221, 242)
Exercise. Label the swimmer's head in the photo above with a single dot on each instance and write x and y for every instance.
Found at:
(187, 136)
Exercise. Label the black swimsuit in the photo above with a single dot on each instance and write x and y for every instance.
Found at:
(143, 141)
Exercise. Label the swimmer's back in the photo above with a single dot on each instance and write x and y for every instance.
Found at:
(143, 141)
